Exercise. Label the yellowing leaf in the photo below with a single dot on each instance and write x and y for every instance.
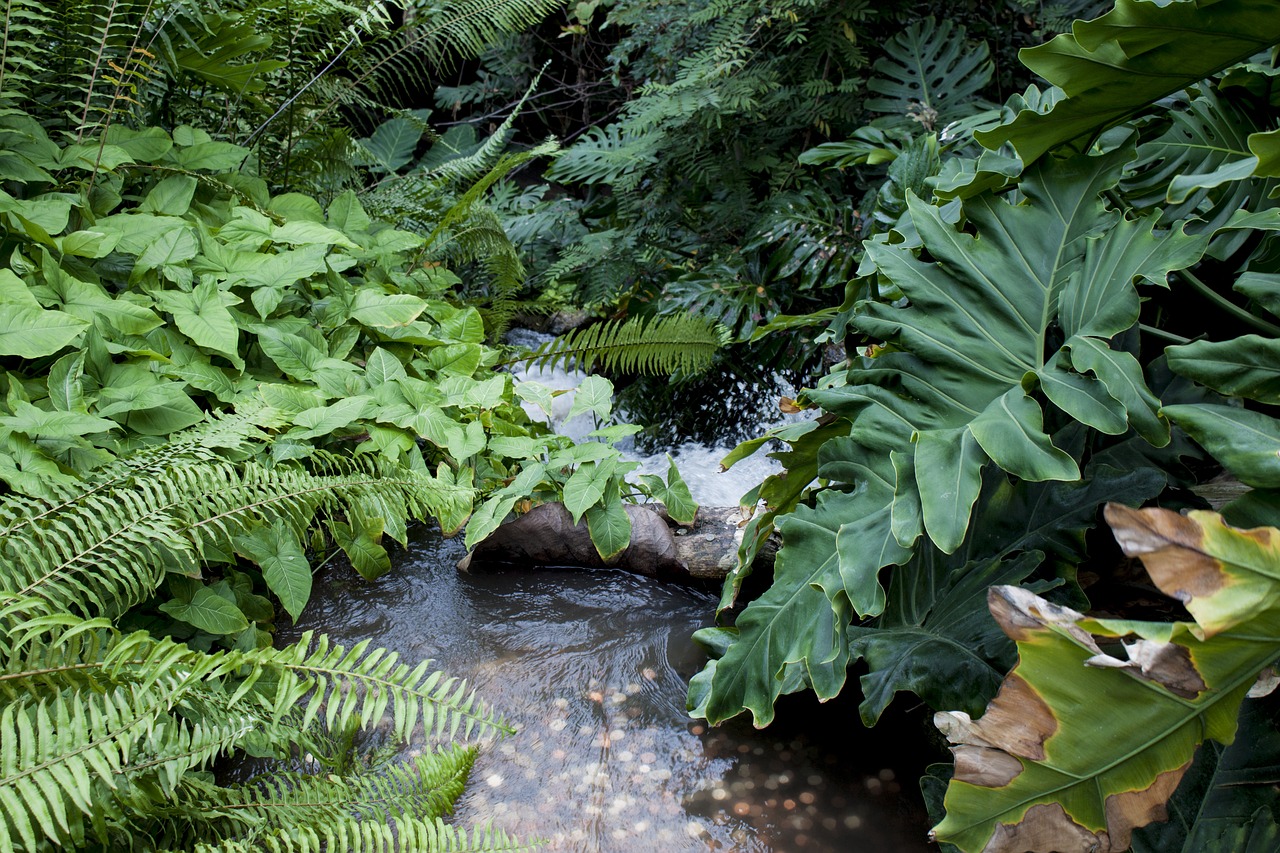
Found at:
(1088, 738)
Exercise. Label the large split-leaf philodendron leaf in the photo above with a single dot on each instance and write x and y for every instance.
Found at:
(975, 337)
(953, 392)
(1088, 738)
(1132, 56)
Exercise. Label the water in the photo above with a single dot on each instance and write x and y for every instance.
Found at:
(591, 668)
(697, 448)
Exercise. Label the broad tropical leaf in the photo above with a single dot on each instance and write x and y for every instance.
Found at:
(930, 74)
(1030, 774)
(952, 390)
(1132, 56)
(1217, 805)
(1247, 366)
(935, 637)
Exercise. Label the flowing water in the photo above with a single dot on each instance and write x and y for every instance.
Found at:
(592, 667)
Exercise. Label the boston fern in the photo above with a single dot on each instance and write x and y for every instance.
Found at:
(104, 736)
(685, 343)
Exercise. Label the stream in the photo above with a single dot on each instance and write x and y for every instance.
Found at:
(591, 667)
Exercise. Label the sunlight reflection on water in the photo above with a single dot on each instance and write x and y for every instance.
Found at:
(591, 668)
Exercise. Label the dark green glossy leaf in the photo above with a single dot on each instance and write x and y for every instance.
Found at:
(1247, 366)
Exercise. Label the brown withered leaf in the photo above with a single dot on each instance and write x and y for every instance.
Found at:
(1098, 722)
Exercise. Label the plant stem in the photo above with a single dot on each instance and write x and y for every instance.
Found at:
(1161, 333)
(1228, 306)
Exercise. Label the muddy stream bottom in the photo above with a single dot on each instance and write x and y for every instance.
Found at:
(591, 668)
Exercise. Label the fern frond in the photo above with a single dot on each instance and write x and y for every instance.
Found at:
(334, 684)
(97, 724)
(684, 343)
(26, 24)
(399, 834)
(106, 550)
(438, 34)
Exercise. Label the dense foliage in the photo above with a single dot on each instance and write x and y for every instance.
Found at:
(212, 380)
(1014, 375)
(253, 287)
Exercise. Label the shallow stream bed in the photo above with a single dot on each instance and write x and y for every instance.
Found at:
(591, 668)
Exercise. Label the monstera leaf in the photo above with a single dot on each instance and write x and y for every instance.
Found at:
(1201, 165)
(1134, 55)
(1100, 719)
(949, 395)
(929, 74)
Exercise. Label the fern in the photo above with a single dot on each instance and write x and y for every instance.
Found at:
(665, 345)
(25, 23)
(108, 548)
(437, 34)
(104, 727)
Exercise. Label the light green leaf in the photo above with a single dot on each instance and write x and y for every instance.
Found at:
(372, 307)
(536, 394)
(171, 197)
(455, 359)
(304, 233)
(677, 498)
(586, 486)
(594, 395)
(610, 528)
(297, 206)
(65, 385)
(33, 332)
(38, 423)
(515, 446)
(290, 399)
(467, 441)
(466, 326)
(382, 367)
(487, 517)
(279, 554)
(347, 214)
(323, 420)
(207, 611)
(87, 244)
(158, 409)
(14, 290)
(294, 354)
(363, 547)
(172, 247)
(212, 156)
(203, 317)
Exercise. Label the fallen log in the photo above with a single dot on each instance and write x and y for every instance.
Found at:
(547, 536)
